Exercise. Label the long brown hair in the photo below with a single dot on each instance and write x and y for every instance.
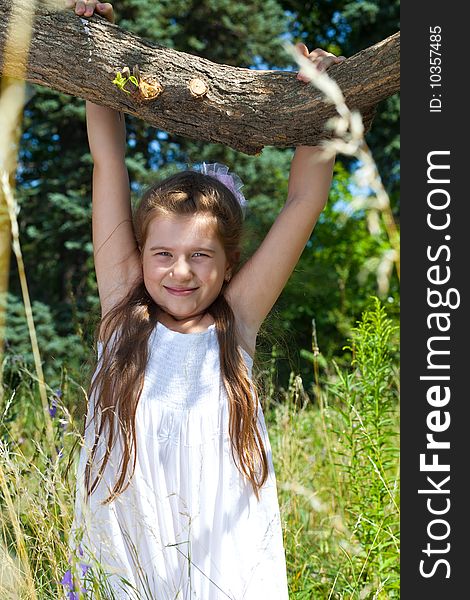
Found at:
(118, 382)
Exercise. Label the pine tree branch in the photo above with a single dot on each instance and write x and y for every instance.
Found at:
(241, 108)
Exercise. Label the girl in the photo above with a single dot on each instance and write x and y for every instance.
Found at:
(176, 491)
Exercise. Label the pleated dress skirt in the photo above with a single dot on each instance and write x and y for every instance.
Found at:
(189, 525)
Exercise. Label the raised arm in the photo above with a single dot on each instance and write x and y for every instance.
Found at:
(256, 287)
(116, 256)
(117, 260)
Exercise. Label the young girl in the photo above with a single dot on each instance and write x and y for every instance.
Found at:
(176, 491)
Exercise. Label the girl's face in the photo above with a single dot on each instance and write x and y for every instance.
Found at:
(184, 264)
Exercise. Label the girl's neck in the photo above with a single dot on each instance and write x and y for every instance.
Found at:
(192, 324)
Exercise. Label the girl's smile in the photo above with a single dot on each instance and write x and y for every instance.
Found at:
(180, 291)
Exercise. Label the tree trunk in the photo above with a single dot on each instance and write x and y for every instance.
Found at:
(191, 96)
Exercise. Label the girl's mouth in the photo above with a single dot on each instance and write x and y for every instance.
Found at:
(180, 291)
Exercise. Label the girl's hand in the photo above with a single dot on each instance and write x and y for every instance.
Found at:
(320, 59)
(89, 7)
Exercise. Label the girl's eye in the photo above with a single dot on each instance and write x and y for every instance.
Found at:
(164, 254)
(198, 254)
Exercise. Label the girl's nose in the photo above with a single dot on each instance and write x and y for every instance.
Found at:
(181, 269)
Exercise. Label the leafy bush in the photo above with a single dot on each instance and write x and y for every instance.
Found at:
(336, 462)
(364, 415)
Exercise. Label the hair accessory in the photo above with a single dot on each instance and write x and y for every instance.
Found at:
(231, 180)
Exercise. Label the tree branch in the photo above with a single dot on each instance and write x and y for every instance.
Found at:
(194, 97)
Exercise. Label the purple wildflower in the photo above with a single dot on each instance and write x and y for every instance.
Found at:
(67, 579)
(53, 407)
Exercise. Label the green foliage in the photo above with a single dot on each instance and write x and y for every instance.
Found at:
(329, 283)
(235, 33)
(364, 415)
(53, 191)
(120, 81)
(55, 350)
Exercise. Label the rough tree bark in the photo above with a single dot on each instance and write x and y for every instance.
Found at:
(241, 108)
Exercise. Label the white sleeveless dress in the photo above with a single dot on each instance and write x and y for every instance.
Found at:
(188, 527)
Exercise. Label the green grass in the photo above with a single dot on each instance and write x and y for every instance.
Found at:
(335, 453)
(337, 469)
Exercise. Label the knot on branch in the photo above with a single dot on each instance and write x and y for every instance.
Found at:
(150, 88)
(198, 87)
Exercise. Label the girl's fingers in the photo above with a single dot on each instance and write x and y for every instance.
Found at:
(319, 58)
(326, 62)
(105, 9)
(80, 7)
(304, 51)
(89, 8)
(319, 53)
(86, 8)
(302, 48)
